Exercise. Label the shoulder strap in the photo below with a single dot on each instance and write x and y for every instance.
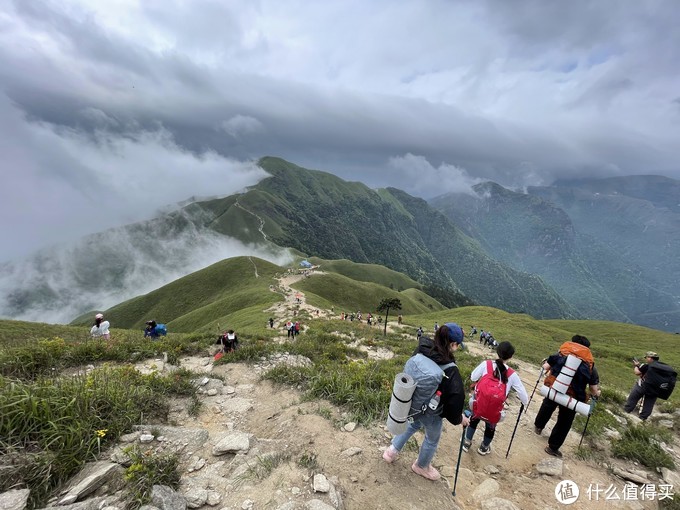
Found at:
(489, 367)
(444, 367)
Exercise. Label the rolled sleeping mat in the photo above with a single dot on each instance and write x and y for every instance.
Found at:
(565, 400)
(400, 404)
(563, 379)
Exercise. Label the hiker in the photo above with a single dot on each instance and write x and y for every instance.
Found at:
(447, 340)
(228, 341)
(473, 332)
(150, 329)
(419, 333)
(154, 330)
(296, 328)
(271, 322)
(482, 337)
(399, 318)
(640, 389)
(289, 328)
(494, 382)
(100, 328)
(586, 375)
(436, 326)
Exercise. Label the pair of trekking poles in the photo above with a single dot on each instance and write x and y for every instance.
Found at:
(592, 408)
(519, 415)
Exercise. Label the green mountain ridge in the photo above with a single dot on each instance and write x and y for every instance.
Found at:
(585, 242)
(533, 258)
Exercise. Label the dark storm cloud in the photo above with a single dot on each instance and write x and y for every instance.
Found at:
(427, 97)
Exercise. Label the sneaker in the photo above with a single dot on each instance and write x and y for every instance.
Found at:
(429, 472)
(554, 453)
(537, 430)
(467, 443)
(390, 454)
(484, 450)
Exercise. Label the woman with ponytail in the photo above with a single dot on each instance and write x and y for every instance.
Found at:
(494, 377)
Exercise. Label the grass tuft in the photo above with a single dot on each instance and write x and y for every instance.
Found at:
(642, 444)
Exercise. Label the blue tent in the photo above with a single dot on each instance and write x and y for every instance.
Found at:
(306, 263)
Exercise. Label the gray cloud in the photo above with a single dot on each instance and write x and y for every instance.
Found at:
(103, 102)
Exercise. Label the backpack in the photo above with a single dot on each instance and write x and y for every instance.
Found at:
(490, 394)
(428, 376)
(161, 329)
(659, 380)
(581, 379)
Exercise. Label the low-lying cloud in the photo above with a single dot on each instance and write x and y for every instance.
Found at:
(74, 182)
(58, 284)
(420, 177)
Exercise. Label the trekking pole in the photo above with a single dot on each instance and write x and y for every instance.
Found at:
(584, 431)
(521, 408)
(593, 401)
(460, 454)
(540, 374)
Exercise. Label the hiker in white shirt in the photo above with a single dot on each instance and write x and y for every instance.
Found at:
(100, 327)
(491, 411)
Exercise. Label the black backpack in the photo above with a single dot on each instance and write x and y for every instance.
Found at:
(659, 380)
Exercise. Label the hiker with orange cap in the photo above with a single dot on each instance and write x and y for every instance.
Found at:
(100, 328)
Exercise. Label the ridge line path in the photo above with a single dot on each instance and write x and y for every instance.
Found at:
(260, 229)
(269, 421)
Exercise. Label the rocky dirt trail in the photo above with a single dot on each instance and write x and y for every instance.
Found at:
(280, 424)
(256, 445)
(349, 457)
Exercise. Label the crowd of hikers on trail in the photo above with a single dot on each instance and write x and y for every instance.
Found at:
(571, 386)
(436, 392)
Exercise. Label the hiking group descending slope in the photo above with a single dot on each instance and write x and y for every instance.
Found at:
(436, 392)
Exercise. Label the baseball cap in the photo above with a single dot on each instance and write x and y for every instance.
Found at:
(455, 334)
(99, 316)
(651, 354)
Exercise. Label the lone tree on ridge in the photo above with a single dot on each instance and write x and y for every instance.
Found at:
(385, 306)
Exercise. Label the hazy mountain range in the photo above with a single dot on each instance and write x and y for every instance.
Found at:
(589, 249)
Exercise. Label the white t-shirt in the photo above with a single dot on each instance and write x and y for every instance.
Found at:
(514, 382)
(102, 330)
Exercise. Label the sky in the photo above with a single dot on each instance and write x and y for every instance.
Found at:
(110, 111)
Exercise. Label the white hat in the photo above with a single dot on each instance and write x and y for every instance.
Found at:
(99, 316)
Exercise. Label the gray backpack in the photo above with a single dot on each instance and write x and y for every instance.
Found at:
(428, 376)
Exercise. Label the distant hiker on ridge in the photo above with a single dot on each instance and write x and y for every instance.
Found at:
(100, 327)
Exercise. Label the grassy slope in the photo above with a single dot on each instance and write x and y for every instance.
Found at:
(367, 273)
(613, 343)
(201, 298)
(351, 295)
(15, 333)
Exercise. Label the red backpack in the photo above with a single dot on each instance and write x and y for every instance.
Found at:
(490, 395)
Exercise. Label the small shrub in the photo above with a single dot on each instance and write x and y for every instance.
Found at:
(308, 460)
(324, 412)
(147, 470)
(195, 405)
(263, 466)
